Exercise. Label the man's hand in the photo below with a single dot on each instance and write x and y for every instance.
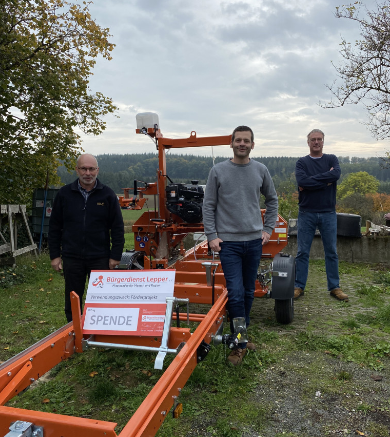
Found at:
(265, 236)
(56, 263)
(214, 245)
(300, 188)
(112, 263)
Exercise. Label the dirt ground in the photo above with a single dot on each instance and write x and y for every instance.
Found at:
(312, 393)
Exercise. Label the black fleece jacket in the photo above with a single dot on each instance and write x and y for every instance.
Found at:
(81, 229)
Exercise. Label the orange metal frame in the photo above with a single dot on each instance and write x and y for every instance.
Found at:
(20, 371)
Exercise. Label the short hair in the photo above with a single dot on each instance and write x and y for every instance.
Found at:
(242, 129)
(313, 131)
(86, 154)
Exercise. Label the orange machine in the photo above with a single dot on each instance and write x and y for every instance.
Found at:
(199, 278)
(127, 202)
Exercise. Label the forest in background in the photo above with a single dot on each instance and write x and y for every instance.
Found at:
(363, 189)
(119, 171)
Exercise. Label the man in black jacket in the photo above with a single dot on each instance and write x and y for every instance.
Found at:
(86, 220)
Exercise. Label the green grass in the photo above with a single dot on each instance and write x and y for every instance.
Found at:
(131, 215)
(218, 399)
(129, 241)
(129, 218)
(31, 303)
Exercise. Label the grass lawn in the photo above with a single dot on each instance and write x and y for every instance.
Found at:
(129, 218)
(291, 365)
(131, 215)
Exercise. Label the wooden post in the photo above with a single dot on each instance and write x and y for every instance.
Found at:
(368, 226)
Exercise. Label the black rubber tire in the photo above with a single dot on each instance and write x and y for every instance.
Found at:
(284, 311)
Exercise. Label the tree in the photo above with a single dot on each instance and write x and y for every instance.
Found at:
(48, 49)
(357, 203)
(285, 186)
(288, 205)
(360, 182)
(365, 73)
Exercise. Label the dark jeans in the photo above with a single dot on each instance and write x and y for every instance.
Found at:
(76, 271)
(327, 225)
(240, 261)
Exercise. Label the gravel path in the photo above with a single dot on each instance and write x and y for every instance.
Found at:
(310, 394)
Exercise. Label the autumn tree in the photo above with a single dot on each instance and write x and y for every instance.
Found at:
(357, 203)
(381, 202)
(364, 75)
(370, 206)
(381, 206)
(357, 183)
(48, 49)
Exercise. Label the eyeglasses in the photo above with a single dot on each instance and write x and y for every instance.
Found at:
(85, 169)
(313, 140)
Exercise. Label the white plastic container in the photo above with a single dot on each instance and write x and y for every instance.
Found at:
(147, 120)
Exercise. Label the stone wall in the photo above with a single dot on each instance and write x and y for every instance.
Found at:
(371, 249)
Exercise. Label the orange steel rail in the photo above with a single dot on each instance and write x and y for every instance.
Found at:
(57, 425)
(20, 371)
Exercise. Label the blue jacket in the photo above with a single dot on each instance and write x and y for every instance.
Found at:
(319, 183)
(81, 229)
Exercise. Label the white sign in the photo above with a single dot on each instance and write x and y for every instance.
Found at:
(127, 302)
(130, 286)
(111, 319)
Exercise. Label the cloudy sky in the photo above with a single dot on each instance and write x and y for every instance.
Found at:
(211, 65)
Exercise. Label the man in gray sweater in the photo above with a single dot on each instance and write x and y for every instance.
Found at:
(234, 227)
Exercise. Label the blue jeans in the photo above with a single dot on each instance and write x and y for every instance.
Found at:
(240, 261)
(327, 225)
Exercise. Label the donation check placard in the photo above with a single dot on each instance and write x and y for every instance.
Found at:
(127, 302)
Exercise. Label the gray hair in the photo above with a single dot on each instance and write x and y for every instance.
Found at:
(315, 130)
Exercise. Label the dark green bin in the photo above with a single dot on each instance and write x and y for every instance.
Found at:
(37, 210)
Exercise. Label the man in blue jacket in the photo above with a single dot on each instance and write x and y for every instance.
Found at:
(86, 229)
(317, 175)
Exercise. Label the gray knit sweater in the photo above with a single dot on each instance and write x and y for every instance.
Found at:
(231, 206)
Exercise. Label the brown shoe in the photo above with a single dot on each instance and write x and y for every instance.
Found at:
(339, 294)
(298, 292)
(236, 356)
(251, 346)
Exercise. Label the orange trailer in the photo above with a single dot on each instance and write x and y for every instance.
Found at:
(159, 238)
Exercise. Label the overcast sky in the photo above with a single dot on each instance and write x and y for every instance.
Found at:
(211, 65)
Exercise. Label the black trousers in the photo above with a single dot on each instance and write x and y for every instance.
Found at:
(76, 271)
